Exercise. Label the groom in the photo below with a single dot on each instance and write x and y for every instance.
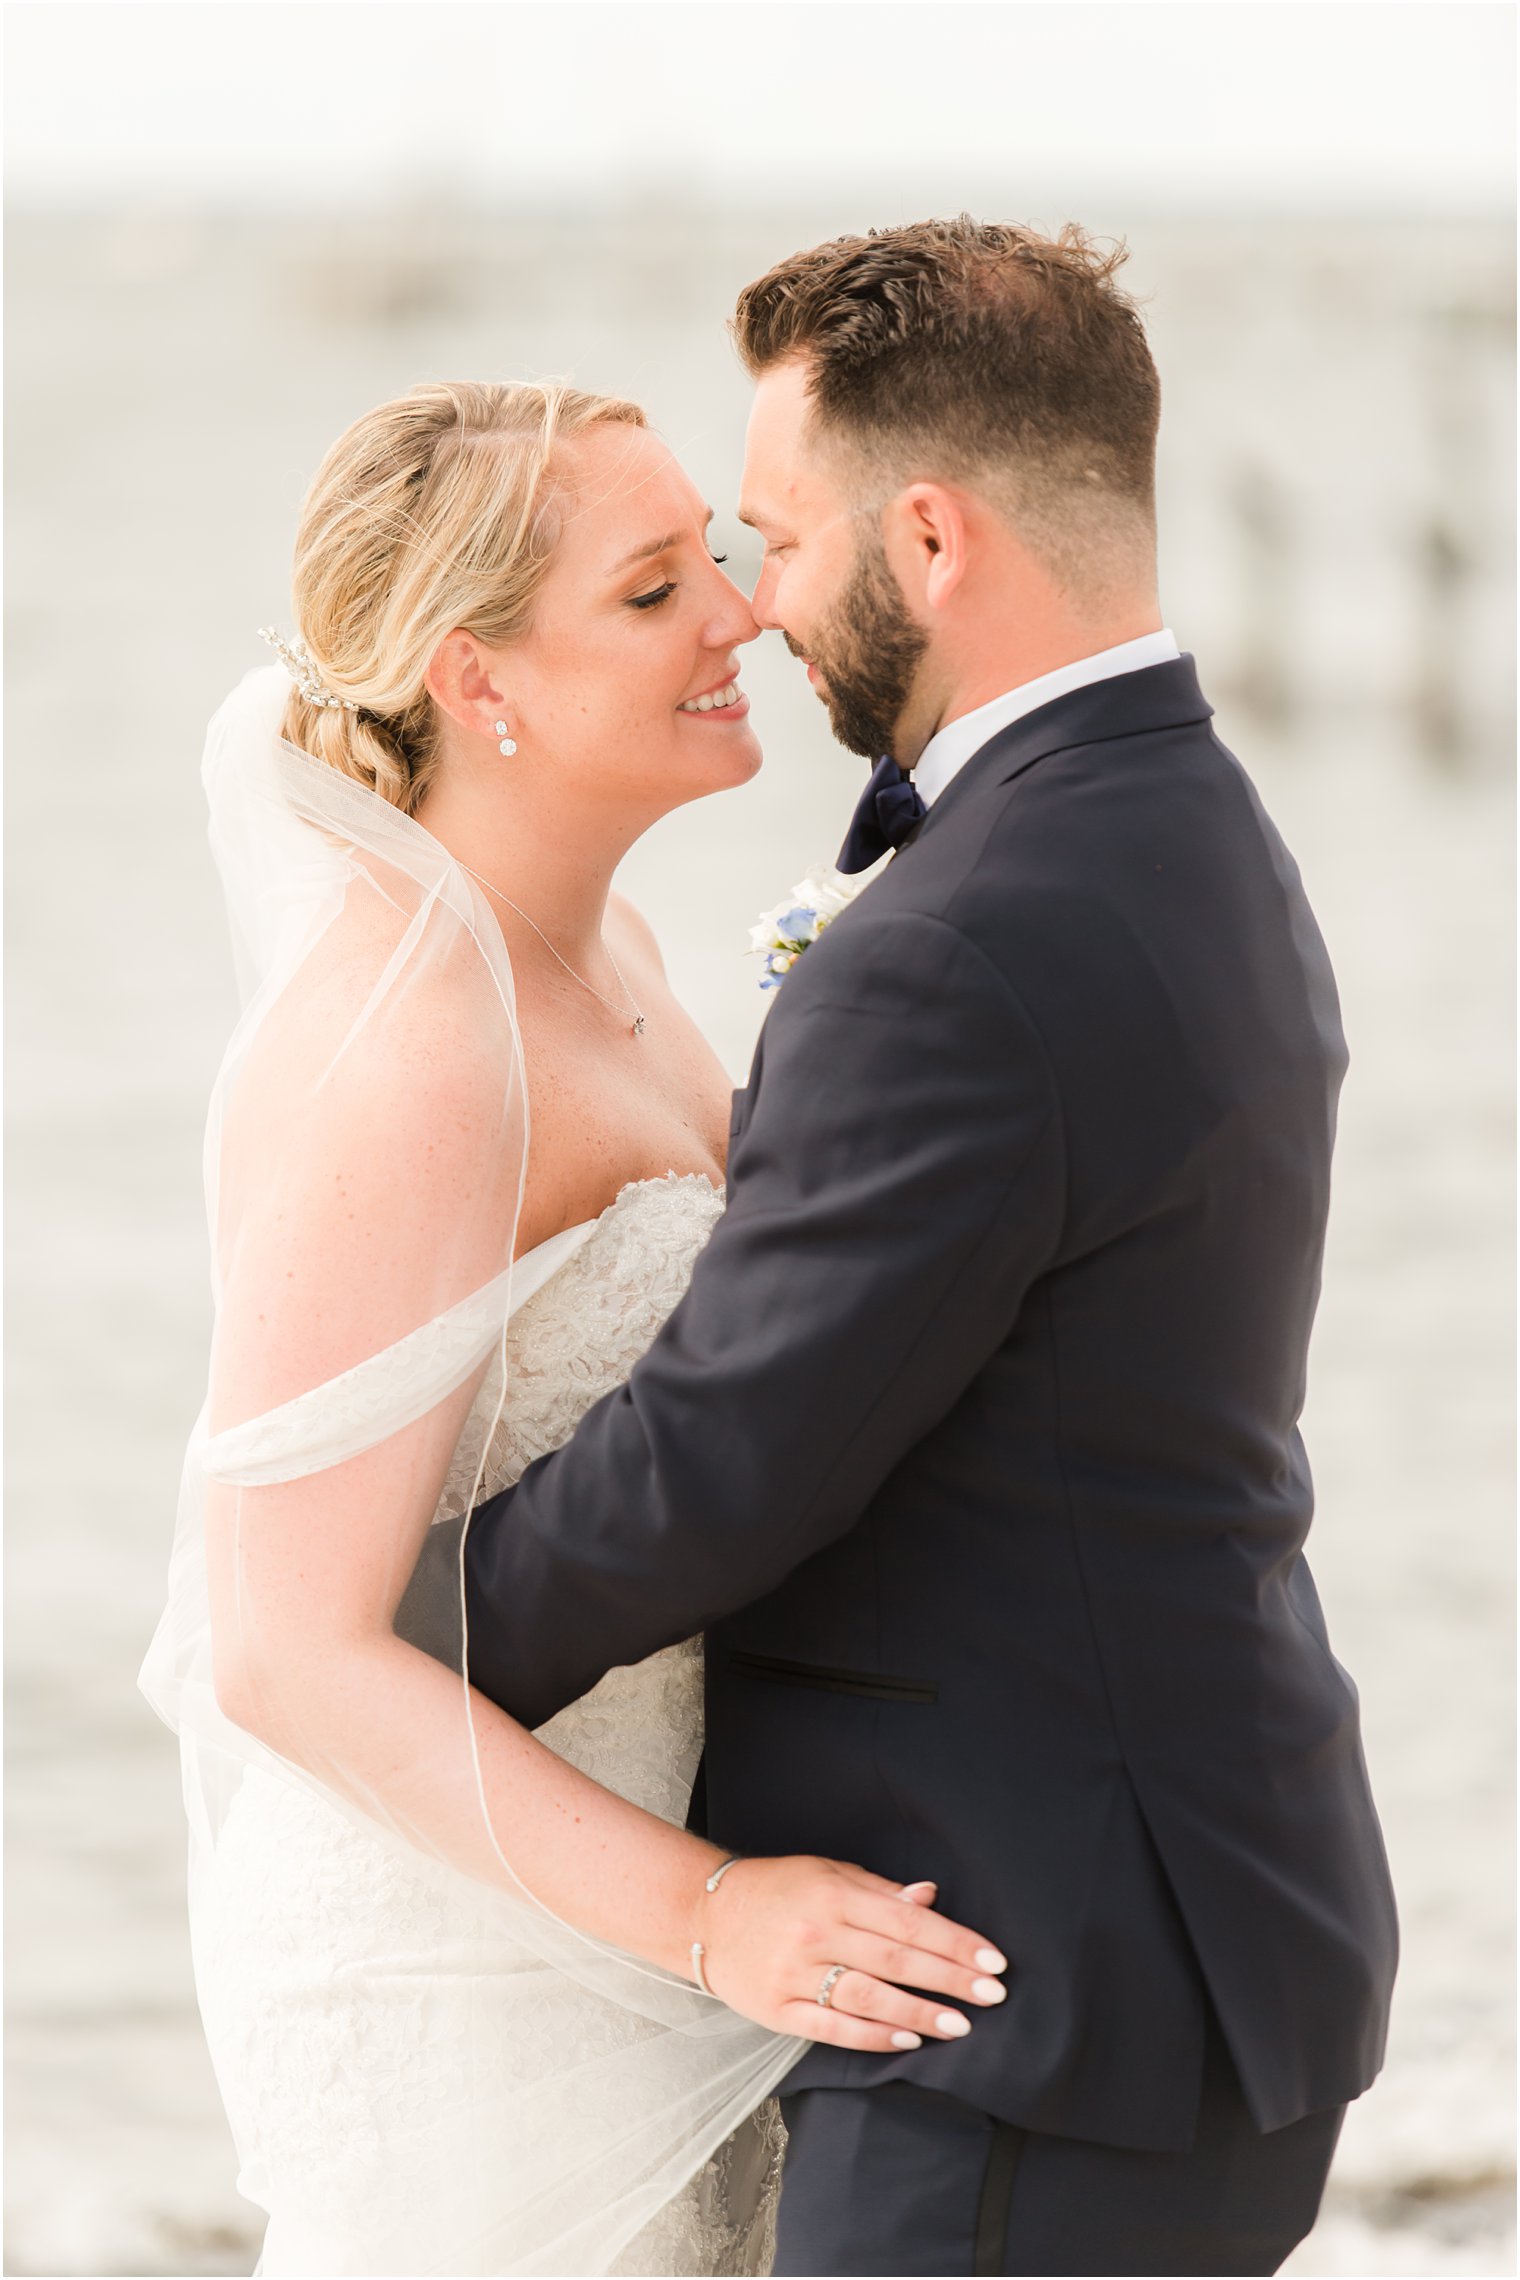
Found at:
(973, 1446)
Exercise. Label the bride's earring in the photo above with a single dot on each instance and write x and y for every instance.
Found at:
(508, 744)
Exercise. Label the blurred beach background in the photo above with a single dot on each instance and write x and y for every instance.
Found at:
(233, 228)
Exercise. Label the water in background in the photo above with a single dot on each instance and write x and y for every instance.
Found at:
(1336, 509)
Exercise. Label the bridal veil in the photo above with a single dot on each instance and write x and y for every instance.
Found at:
(362, 1250)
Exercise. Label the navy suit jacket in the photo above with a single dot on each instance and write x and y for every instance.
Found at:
(973, 1446)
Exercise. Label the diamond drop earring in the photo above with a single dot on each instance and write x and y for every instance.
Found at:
(508, 744)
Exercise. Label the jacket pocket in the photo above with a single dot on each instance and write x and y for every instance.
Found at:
(878, 1685)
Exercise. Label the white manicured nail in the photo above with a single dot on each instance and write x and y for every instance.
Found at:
(902, 2040)
(989, 1990)
(951, 2023)
(988, 1959)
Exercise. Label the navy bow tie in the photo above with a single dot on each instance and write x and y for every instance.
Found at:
(890, 811)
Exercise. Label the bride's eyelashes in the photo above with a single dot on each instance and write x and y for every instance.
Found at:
(658, 594)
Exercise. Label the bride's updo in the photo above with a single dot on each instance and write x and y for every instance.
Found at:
(436, 510)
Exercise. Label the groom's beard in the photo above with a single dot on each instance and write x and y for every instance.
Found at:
(867, 653)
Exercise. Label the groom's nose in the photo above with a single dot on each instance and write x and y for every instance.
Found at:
(763, 600)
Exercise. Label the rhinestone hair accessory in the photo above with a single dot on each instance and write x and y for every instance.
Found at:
(297, 661)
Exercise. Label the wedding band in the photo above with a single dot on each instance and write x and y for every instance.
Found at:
(831, 1979)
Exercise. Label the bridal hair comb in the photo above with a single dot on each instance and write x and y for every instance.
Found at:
(296, 659)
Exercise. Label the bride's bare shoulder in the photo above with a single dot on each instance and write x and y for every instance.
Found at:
(392, 1018)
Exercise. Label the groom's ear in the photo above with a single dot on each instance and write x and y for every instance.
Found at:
(925, 535)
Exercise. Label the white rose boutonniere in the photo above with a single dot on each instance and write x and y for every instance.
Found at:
(793, 926)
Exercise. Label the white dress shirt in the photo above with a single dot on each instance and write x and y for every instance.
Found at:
(944, 756)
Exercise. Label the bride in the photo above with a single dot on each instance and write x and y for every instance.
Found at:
(477, 1999)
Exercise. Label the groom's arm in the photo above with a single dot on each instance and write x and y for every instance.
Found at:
(896, 1188)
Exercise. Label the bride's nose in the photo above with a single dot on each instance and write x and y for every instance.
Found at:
(731, 620)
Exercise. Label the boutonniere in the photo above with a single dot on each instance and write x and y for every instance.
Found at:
(793, 926)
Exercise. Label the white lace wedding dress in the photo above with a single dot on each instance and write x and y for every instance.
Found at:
(320, 1945)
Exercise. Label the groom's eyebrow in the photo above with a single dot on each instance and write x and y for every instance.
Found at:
(654, 546)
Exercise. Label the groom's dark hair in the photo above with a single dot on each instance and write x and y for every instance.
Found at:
(978, 352)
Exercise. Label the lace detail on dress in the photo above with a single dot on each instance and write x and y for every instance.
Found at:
(725, 2221)
(579, 1336)
(318, 1931)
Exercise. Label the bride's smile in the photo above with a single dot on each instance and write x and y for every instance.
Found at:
(728, 703)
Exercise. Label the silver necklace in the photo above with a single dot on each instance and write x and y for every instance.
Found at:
(620, 1010)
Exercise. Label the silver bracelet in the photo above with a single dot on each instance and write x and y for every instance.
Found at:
(698, 1951)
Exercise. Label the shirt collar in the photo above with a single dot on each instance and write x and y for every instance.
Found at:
(945, 754)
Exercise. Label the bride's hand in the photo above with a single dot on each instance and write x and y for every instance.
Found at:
(774, 1930)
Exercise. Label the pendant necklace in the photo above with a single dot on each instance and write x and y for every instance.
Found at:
(622, 1011)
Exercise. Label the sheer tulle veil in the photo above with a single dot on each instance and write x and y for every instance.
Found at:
(364, 954)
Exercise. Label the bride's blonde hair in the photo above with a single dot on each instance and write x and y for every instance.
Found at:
(436, 510)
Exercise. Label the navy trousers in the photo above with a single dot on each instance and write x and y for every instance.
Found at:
(903, 2180)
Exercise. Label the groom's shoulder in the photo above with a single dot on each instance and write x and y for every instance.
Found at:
(1022, 859)
(1017, 832)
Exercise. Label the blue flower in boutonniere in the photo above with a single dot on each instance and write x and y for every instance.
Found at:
(794, 925)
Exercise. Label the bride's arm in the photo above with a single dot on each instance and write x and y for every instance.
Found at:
(331, 1264)
(311, 1666)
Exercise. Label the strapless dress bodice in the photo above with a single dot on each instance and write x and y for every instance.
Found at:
(574, 1339)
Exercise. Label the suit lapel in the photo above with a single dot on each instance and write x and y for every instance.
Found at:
(1105, 712)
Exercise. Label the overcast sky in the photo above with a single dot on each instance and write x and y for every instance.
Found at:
(1284, 103)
